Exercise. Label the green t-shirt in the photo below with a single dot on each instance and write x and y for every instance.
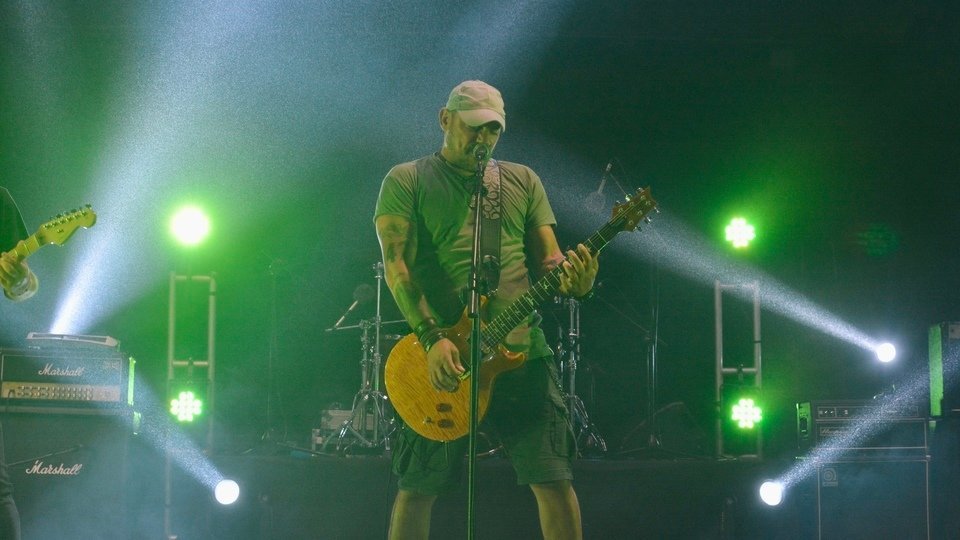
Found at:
(436, 198)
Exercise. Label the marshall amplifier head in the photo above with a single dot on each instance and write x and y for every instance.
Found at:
(74, 376)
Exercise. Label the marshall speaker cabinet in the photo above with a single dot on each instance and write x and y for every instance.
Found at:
(69, 470)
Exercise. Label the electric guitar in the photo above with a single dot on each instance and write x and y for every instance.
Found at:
(445, 416)
(56, 231)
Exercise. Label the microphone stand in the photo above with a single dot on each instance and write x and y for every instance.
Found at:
(476, 350)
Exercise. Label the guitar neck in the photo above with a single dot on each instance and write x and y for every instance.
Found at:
(544, 289)
(25, 248)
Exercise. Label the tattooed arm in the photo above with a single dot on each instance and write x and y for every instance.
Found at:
(398, 244)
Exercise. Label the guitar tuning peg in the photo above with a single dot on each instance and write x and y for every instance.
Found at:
(627, 197)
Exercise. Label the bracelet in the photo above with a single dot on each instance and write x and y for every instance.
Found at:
(18, 290)
(432, 337)
(429, 333)
(588, 296)
(425, 326)
(23, 290)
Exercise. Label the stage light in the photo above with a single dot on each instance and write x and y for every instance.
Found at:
(190, 226)
(771, 493)
(739, 419)
(186, 406)
(746, 413)
(226, 492)
(886, 352)
(740, 233)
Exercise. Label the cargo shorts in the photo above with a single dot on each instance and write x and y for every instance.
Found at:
(527, 416)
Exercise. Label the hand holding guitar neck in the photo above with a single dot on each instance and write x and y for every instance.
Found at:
(15, 275)
(56, 231)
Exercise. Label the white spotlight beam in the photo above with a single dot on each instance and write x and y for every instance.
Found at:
(163, 118)
(671, 243)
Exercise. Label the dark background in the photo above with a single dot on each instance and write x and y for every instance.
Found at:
(833, 126)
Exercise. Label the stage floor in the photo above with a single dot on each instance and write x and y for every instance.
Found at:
(84, 477)
(319, 497)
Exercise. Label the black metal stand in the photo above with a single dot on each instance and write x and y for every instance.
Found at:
(269, 435)
(476, 349)
(651, 422)
(369, 424)
(568, 351)
(651, 340)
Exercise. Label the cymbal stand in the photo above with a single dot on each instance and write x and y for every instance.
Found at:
(369, 424)
(568, 351)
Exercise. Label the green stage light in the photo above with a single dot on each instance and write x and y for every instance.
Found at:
(740, 233)
(186, 406)
(190, 226)
(746, 413)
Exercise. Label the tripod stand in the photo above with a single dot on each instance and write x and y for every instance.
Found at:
(568, 351)
(368, 424)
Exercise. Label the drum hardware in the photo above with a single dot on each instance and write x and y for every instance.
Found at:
(568, 352)
(369, 425)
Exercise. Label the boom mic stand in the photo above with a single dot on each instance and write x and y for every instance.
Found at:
(476, 350)
(269, 435)
(651, 422)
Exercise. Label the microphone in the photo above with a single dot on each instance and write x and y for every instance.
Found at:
(603, 178)
(361, 295)
(595, 200)
(481, 152)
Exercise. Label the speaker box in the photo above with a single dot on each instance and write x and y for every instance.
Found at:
(872, 499)
(68, 468)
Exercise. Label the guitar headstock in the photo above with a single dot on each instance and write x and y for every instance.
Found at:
(636, 208)
(59, 229)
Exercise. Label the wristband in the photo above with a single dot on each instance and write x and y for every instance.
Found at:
(425, 326)
(588, 296)
(429, 333)
(19, 289)
(431, 337)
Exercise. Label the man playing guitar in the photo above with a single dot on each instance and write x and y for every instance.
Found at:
(424, 222)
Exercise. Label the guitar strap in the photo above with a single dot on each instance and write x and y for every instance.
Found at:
(490, 206)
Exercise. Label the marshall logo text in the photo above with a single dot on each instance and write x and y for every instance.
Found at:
(49, 370)
(39, 467)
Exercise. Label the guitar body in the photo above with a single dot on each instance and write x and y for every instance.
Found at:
(435, 414)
